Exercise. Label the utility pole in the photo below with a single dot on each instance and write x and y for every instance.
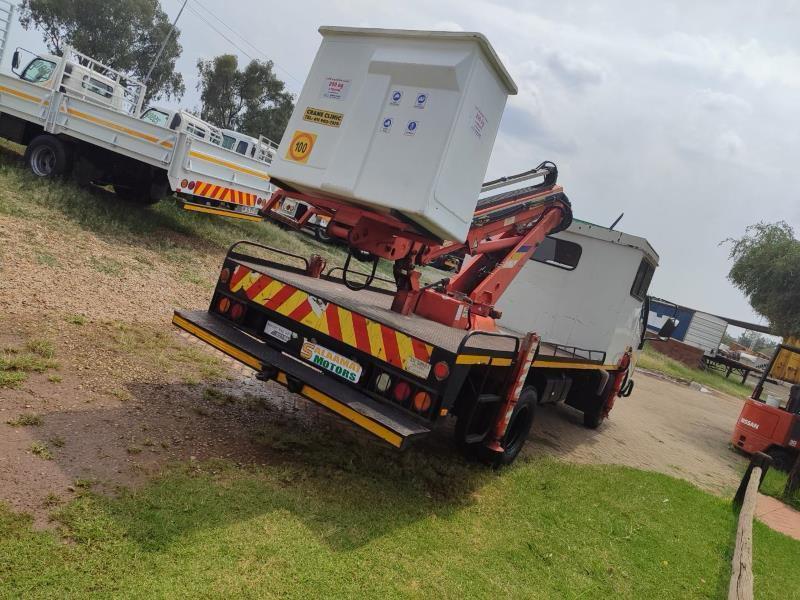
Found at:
(164, 44)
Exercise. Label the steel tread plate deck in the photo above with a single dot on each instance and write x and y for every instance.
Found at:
(377, 306)
(384, 415)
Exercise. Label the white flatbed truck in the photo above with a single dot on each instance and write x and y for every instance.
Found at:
(78, 116)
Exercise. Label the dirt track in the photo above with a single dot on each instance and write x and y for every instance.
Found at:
(663, 426)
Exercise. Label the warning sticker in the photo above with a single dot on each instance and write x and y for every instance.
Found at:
(323, 117)
(422, 99)
(478, 122)
(411, 127)
(417, 367)
(300, 147)
(396, 97)
(335, 89)
(386, 126)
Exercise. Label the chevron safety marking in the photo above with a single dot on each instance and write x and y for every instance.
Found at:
(355, 330)
(224, 194)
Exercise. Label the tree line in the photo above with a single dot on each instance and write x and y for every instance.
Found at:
(126, 35)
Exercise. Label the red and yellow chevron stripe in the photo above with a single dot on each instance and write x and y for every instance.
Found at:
(224, 194)
(353, 329)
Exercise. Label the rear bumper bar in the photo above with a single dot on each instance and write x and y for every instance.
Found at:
(381, 420)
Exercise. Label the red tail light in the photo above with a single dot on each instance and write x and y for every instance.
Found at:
(401, 391)
(225, 275)
(237, 311)
(223, 305)
(441, 371)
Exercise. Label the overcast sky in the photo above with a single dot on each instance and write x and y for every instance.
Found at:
(686, 116)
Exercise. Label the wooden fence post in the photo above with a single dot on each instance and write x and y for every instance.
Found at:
(741, 585)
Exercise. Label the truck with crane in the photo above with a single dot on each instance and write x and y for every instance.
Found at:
(78, 116)
(389, 141)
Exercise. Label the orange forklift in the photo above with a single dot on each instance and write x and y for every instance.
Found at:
(770, 418)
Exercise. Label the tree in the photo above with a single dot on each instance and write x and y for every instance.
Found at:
(766, 268)
(253, 100)
(125, 34)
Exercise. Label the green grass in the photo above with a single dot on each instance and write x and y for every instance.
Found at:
(15, 365)
(653, 360)
(26, 420)
(346, 520)
(773, 485)
(177, 235)
(41, 450)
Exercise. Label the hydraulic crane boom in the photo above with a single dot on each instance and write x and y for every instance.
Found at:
(505, 232)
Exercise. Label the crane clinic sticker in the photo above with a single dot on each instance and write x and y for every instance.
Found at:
(335, 89)
(300, 147)
(479, 122)
(329, 360)
(323, 117)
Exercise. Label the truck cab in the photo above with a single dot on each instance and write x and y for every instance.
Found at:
(78, 75)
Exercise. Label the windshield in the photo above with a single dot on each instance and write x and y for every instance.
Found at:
(228, 141)
(156, 117)
(38, 70)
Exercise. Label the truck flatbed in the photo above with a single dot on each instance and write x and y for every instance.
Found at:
(376, 304)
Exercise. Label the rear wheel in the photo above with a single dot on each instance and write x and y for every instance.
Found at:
(47, 156)
(322, 235)
(519, 427)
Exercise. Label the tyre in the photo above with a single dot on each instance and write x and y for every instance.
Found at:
(593, 416)
(519, 427)
(47, 156)
(322, 235)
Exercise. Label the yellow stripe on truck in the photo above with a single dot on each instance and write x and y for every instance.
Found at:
(348, 413)
(222, 345)
(230, 165)
(311, 393)
(19, 94)
(216, 211)
(117, 127)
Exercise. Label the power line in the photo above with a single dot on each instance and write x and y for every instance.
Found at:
(229, 40)
(241, 37)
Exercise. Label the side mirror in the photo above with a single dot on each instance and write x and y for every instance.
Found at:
(15, 61)
(667, 329)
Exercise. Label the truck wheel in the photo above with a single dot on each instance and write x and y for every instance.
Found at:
(322, 235)
(593, 416)
(519, 427)
(47, 156)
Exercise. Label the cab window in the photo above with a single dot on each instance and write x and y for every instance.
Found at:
(156, 117)
(38, 70)
(241, 147)
(558, 253)
(644, 275)
(228, 141)
(98, 87)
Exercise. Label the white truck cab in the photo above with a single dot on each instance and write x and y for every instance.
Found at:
(261, 148)
(585, 288)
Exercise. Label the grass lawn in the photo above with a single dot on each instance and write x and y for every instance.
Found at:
(337, 520)
(653, 360)
(774, 484)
